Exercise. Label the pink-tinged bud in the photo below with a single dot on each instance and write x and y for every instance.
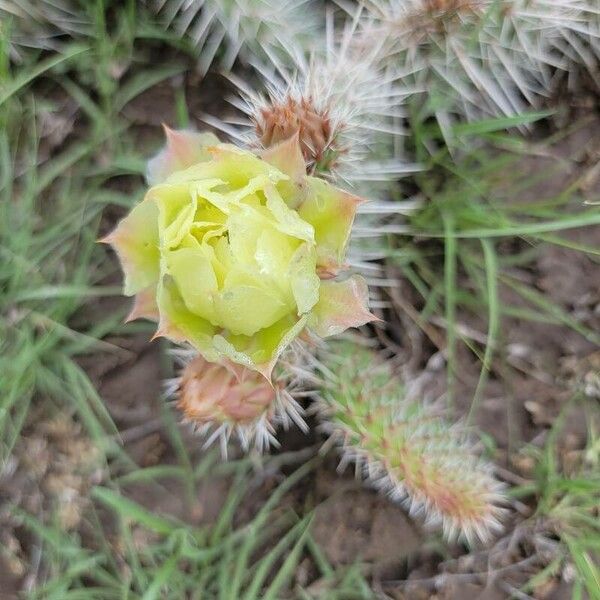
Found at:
(312, 125)
(225, 399)
(436, 6)
(223, 393)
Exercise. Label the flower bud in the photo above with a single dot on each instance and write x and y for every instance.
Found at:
(223, 393)
(281, 120)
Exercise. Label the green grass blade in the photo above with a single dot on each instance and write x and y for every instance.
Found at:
(491, 274)
(163, 575)
(128, 509)
(26, 77)
(286, 571)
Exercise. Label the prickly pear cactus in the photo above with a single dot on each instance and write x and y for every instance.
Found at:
(405, 447)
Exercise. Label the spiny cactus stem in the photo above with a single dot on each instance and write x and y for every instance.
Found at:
(405, 448)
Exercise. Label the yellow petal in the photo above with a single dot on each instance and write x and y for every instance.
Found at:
(245, 306)
(342, 304)
(144, 306)
(244, 227)
(287, 220)
(183, 149)
(304, 280)
(261, 351)
(179, 324)
(135, 240)
(331, 212)
(193, 273)
(287, 157)
(178, 207)
(238, 167)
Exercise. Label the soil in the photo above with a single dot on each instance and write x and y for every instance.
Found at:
(518, 405)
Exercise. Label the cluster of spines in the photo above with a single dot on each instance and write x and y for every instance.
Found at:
(288, 383)
(222, 30)
(338, 91)
(40, 24)
(405, 447)
(486, 57)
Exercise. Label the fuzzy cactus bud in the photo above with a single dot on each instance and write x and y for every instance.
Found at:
(227, 251)
(221, 399)
(437, 6)
(222, 30)
(223, 393)
(318, 140)
(346, 110)
(405, 447)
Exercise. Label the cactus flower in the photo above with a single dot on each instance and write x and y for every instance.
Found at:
(227, 251)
